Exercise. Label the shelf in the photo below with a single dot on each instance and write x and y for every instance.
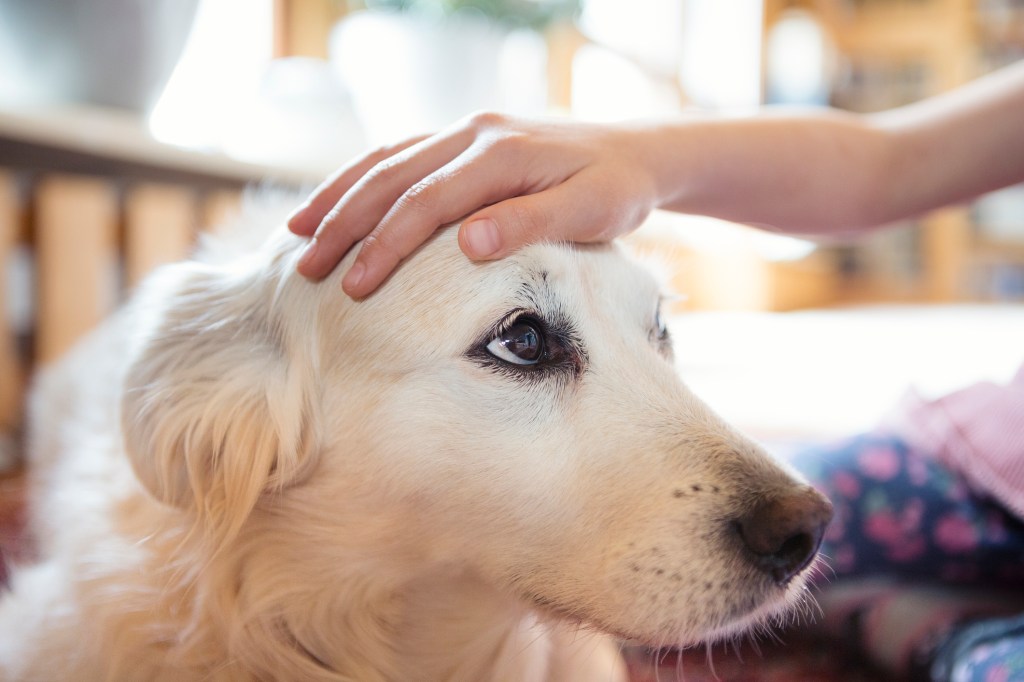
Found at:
(110, 142)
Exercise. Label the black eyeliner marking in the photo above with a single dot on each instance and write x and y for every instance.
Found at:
(659, 335)
(564, 356)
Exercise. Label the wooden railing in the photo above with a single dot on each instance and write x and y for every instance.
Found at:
(90, 203)
(73, 246)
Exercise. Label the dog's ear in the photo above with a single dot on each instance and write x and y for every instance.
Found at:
(215, 409)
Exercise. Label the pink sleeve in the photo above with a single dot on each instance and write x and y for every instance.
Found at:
(977, 431)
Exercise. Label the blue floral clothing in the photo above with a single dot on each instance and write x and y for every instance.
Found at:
(902, 512)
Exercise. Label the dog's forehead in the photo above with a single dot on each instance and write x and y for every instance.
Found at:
(579, 284)
(439, 285)
(440, 265)
(604, 269)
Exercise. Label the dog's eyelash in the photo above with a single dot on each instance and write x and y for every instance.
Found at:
(564, 354)
(510, 318)
(660, 335)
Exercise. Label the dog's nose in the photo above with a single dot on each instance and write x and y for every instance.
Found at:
(784, 532)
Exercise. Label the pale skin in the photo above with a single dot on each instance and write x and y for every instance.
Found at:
(515, 181)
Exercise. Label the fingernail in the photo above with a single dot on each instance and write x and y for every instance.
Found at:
(482, 237)
(299, 210)
(353, 277)
(308, 253)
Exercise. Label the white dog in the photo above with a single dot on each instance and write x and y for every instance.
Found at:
(482, 472)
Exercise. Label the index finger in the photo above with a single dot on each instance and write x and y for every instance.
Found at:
(306, 218)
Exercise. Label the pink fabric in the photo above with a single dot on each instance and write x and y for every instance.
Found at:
(977, 431)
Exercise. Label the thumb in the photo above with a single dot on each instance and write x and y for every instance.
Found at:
(573, 212)
(498, 230)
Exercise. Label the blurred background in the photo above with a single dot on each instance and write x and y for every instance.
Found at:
(129, 126)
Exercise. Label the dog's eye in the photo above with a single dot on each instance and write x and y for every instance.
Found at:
(659, 332)
(521, 344)
(660, 327)
(660, 336)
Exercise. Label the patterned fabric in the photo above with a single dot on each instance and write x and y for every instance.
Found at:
(977, 432)
(919, 557)
(902, 627)
(989, 651)
(901, 512)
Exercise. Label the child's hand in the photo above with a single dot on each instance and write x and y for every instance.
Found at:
(537, 180)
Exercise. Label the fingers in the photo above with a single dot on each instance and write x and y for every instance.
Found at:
(578, 210)
(428, 204)
(307, 217)
(371, 196)
(551, 185)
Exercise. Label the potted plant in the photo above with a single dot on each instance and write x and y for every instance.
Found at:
(534, 14)
(417, 65)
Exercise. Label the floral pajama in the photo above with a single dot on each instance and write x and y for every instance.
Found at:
(903, 515)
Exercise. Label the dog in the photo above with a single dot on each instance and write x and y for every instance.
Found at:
(480, 472)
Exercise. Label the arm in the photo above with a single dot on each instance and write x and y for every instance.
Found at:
(825, 171)
(817, 172)
(955, 146)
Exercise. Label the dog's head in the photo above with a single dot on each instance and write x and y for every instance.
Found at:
(520, 420)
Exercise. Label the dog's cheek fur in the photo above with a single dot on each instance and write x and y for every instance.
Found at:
(578, 497)
(582, 529)
(213, 413)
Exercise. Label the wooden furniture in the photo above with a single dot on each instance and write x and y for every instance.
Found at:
(11, 372)
(894, 52)
(302, 27)
(89, 203)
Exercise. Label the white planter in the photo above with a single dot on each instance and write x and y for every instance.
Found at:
(410, 73)
(116, 53)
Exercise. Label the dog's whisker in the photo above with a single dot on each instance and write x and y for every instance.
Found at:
(679, 665)
(710, 658)
(658, 664)
(282, 483)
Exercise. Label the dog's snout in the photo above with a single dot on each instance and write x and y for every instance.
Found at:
(784, 532)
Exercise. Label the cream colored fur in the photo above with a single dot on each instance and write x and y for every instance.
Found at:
(248, 476)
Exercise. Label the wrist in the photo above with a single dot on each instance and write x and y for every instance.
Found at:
(672, 157)
(636, 152)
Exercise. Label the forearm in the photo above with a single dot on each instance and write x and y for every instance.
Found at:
(825, 171)
(811, 172)
(956, 146)
(513, 181)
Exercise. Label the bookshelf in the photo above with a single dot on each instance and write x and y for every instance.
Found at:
(893, 52)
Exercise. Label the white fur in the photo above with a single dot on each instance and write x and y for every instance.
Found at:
(245, 476)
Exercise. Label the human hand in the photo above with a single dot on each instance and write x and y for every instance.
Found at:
(516, 181)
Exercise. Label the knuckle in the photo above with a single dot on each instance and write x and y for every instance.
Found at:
(377, 246)
(485, 120)
(506, 144)
(529, 221)
(389, 150)
(417, 198)
(331, 222)
(381, 153)
(383, 172)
